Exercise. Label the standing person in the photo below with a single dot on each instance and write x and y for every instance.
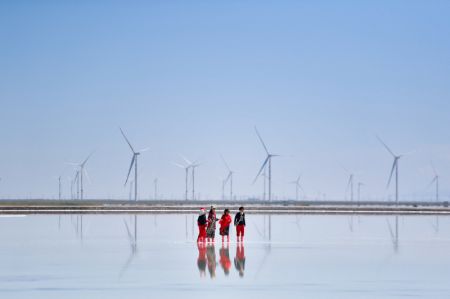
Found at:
(202, 223)
(239, 222)
(225, 222)
(212, 219)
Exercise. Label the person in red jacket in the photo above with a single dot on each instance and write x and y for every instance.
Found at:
(202, 224)
(225, 222)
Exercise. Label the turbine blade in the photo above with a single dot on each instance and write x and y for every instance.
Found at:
(228, 177)
(262, 168)
(178, 165)
(186, 160)
(126, 139)
(262, 142)
(392, 172)
(225, 162)
(349, 182)
(144, 150)
(85, 160)
(87, 176)
(434, 169)
(387, 148)
(131, 166)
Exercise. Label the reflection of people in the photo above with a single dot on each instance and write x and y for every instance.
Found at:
(201, 222)
(239, 260)
(224, 260)
(201, 260)
(239, 222)
(211, 230)
(211, 257)
(225, 222)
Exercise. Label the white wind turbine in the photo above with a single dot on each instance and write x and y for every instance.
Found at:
(394, 167)
(80, 175)
(193, 166)
(350, 184)
(298, 186)
(268, 161)
(436, 182)
(229, 178)
(134, 162)
(186, 170)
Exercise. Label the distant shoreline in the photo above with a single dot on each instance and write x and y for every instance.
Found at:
(42, 206)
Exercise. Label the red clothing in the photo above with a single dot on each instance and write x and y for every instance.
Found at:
(201, 232)
(240, 230)
(225, 221)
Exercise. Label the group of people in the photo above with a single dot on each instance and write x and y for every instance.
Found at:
(207, 225)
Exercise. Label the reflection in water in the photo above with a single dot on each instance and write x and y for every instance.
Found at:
(207, 258)
(132, 237)
(211, 257)
(394, 233)
(224, 260)
(201, 260)
(239, 260)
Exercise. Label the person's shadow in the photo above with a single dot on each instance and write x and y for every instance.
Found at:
(224, 260)
(239, 260)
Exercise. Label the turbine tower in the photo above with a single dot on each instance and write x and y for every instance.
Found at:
(297, 186)
(134, 162)
(268, 161)
(80, 175)
(229, 178)
(394, 168)
(436, 182)
(186, 171)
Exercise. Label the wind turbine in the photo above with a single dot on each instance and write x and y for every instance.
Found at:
(359, 191)
(134, 163)
(59, 188)
(297, 186)
(350, 185)
(268, 161)
(435, 181)
(229, 177)
(192, 165)
(155, 183)
(394, 168)
(186, 169)
(79, 176)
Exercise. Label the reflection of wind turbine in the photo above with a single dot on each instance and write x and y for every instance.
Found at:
(268, 161)
(133, 244)
(133, 162)
(394, 233)
(229, 178)
(297, 186)
(394, 168)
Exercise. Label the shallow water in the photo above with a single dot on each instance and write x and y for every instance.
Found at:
(156, 256)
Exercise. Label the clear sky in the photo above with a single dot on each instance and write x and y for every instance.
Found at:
(318, 78)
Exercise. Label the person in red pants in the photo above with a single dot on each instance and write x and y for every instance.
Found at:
(239, 222)
(202, 224)
(225, 222)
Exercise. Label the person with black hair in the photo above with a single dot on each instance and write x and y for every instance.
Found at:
(239, 222)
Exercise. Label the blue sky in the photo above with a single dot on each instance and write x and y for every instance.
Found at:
(319, 80)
